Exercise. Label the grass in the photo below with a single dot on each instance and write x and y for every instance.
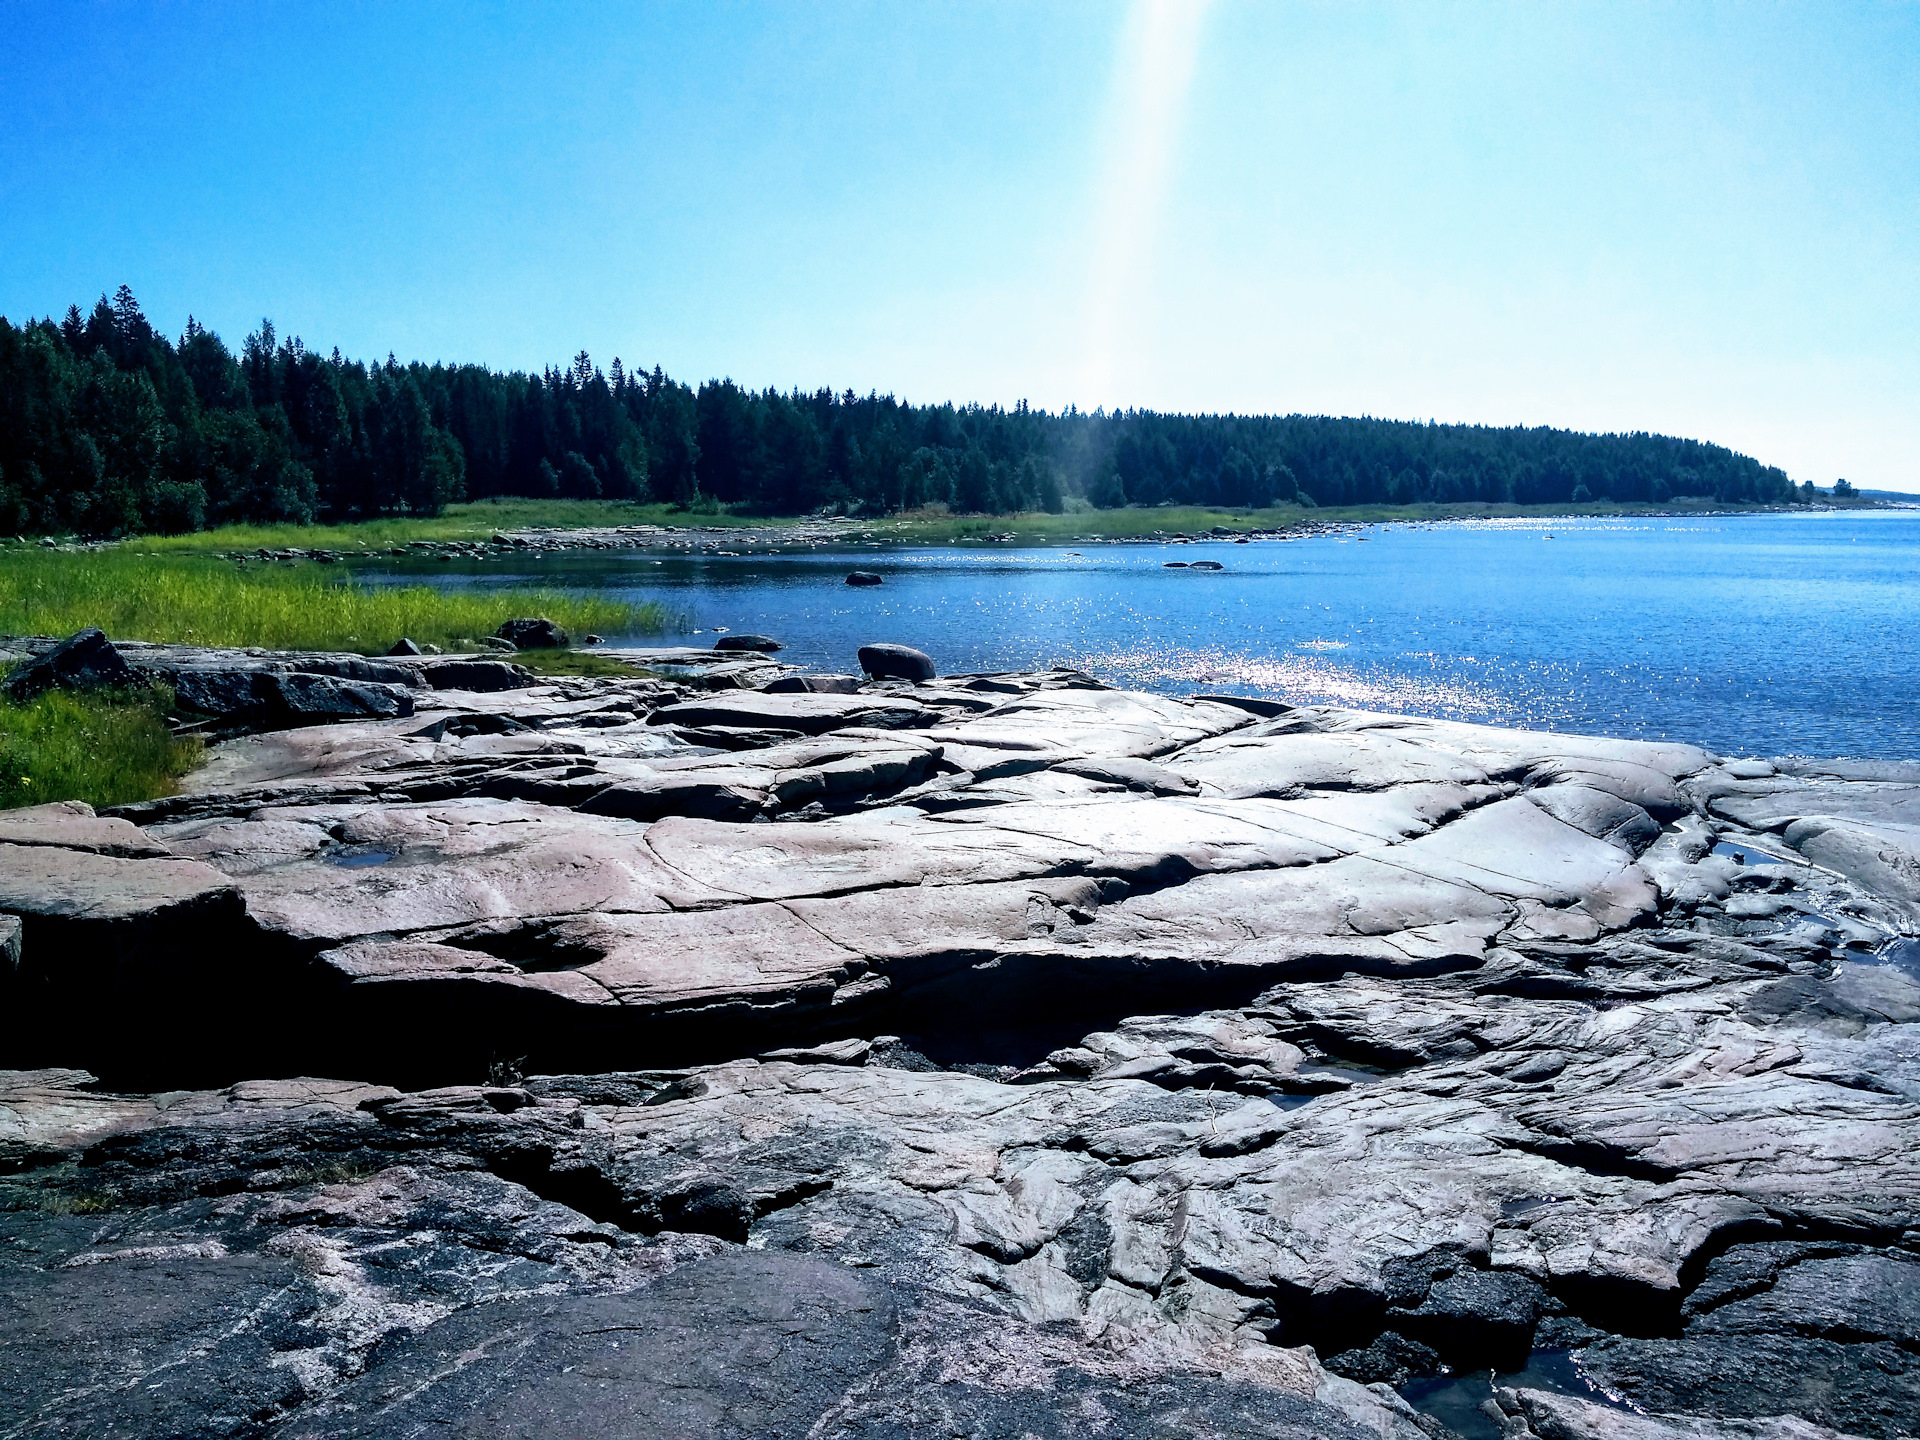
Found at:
(144, 595)
(103, 747)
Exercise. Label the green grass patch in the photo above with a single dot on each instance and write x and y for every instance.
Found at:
(103, 747)
(571, 662)
(142, 595)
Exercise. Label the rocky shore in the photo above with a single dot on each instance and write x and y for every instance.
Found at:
(727, 1051)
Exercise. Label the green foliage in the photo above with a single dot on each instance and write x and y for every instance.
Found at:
(108, 428)
(135, 595)
(103, 747)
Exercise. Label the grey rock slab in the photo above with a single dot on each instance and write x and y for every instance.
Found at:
(445, 864)
(1883, 858)
(72, 825)
(1286, 765)
(46, 884)
(1073, 724)
(1543, 1415)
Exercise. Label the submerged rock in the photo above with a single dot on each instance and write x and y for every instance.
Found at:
(763, 644)
(864, 577)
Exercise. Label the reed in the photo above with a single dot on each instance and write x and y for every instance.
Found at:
(144, 595)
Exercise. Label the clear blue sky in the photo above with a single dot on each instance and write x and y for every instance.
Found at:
(1690, 218)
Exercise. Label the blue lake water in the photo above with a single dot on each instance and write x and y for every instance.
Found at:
(1762, 634)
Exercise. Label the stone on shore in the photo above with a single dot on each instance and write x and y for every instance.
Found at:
(84, 661)
(896, 662)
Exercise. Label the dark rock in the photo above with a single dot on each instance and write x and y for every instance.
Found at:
(1266, 709)
(529, 634)
(813, 685)
(84, 661)
(277, 699)
(765, 644)
(864, 577)
(1206, 565)
(404, 646)
(1864, 1389)
(896, 662)
(484, 676)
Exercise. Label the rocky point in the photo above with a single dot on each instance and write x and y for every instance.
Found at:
(722, 1051)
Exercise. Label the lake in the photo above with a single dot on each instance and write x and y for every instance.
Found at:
(1751, 634)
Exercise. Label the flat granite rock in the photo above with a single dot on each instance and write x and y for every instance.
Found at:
(998, 1055)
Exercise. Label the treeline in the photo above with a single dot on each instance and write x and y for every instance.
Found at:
(108, 427)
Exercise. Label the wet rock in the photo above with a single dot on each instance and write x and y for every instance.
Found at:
(863, 577)
(86, 660)
(764, 644)
(533, 634)
(896, 662)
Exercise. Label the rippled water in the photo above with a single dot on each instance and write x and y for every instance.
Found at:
(1766, 634)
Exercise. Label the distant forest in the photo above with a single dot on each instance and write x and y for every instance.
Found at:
(108, 428)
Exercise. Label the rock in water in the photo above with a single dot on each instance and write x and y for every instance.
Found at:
(765, 644)
(863, 577)
(404, 646)
(85, 661)
(896, 662)
(533, 634)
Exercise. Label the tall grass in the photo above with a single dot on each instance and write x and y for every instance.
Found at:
(103, 747)
(135, 595)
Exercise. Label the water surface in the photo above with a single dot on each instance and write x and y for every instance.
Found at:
(1755, 634)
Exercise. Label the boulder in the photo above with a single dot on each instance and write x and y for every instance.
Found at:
(404, 646)
(896, 662)
(765, 644)
(863, 577)
(533, 634)
(85, 661)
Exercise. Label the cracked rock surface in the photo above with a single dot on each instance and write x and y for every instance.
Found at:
(998, 1055)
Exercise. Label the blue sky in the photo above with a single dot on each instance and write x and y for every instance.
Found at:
(1690, 218)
